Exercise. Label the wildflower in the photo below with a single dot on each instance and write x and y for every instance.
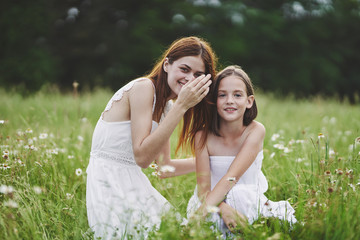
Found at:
(80, 138)
(156, 173)
(279, 146)
(348, 172)
(272, 155)
(352, 186)
(11, 204)
(68, 195)
(357, 141)
(70, 157)
(2, 121)
(275, 136)
(331, 152)
(43, 136)
(339, 171)
(78, 171)
(37, 189)
(167, 168)
(153, 166)
(322, 161)
(327, 173)
(4, 166)
(287, 150)
(231, 179)
(299, 141)
(330, 190)
(29, 130)
(6, 189)
(169, 185)
(212, 209)
(320, 136)
(84, 119)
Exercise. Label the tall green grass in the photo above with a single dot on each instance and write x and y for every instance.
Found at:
(311, 158)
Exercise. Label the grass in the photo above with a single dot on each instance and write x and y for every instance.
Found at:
(45, 140)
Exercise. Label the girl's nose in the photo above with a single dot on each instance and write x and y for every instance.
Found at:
(229, 99)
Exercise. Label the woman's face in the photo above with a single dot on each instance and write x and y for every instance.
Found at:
(181, 71)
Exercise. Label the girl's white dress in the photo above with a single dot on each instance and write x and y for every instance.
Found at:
(246, 196)
(120, 199)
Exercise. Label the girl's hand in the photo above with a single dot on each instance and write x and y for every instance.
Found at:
(194, 91)
(232, 218)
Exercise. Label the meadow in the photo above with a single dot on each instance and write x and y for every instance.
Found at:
(311, 159)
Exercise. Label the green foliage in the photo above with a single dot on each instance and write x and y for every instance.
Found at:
(45, 138)
(304, 47)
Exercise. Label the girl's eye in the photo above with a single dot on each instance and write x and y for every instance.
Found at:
(237, 95)
(197, 75)
(221, 95)
(184, 69)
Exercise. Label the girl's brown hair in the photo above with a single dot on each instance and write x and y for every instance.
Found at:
(187, 46)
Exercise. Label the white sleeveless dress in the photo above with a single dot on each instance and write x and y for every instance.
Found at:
(246, 196)
(120, 199)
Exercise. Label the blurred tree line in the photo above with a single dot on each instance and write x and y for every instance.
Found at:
(303, 47)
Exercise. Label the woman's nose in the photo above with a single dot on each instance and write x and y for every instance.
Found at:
(189, 77)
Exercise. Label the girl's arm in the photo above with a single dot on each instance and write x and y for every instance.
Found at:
(147, 146)
(246, 156)
(203, 175)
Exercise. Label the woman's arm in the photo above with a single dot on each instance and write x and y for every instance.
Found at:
(246, 156)
(203, 175)
(147, 146)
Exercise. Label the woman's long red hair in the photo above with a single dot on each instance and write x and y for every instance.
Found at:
(195, 118)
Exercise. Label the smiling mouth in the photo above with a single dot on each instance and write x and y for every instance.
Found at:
(230, 109)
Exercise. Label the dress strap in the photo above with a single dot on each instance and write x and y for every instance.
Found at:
(119, 94)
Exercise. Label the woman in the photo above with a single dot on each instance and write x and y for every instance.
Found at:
(134, 130)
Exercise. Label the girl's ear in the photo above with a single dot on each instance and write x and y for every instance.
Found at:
(250, 101)
(165, 65)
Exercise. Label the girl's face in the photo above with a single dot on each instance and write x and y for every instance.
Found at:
(181, 71)
(232, 100)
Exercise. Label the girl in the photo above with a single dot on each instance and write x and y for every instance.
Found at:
(134, 130)
(229, 156)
